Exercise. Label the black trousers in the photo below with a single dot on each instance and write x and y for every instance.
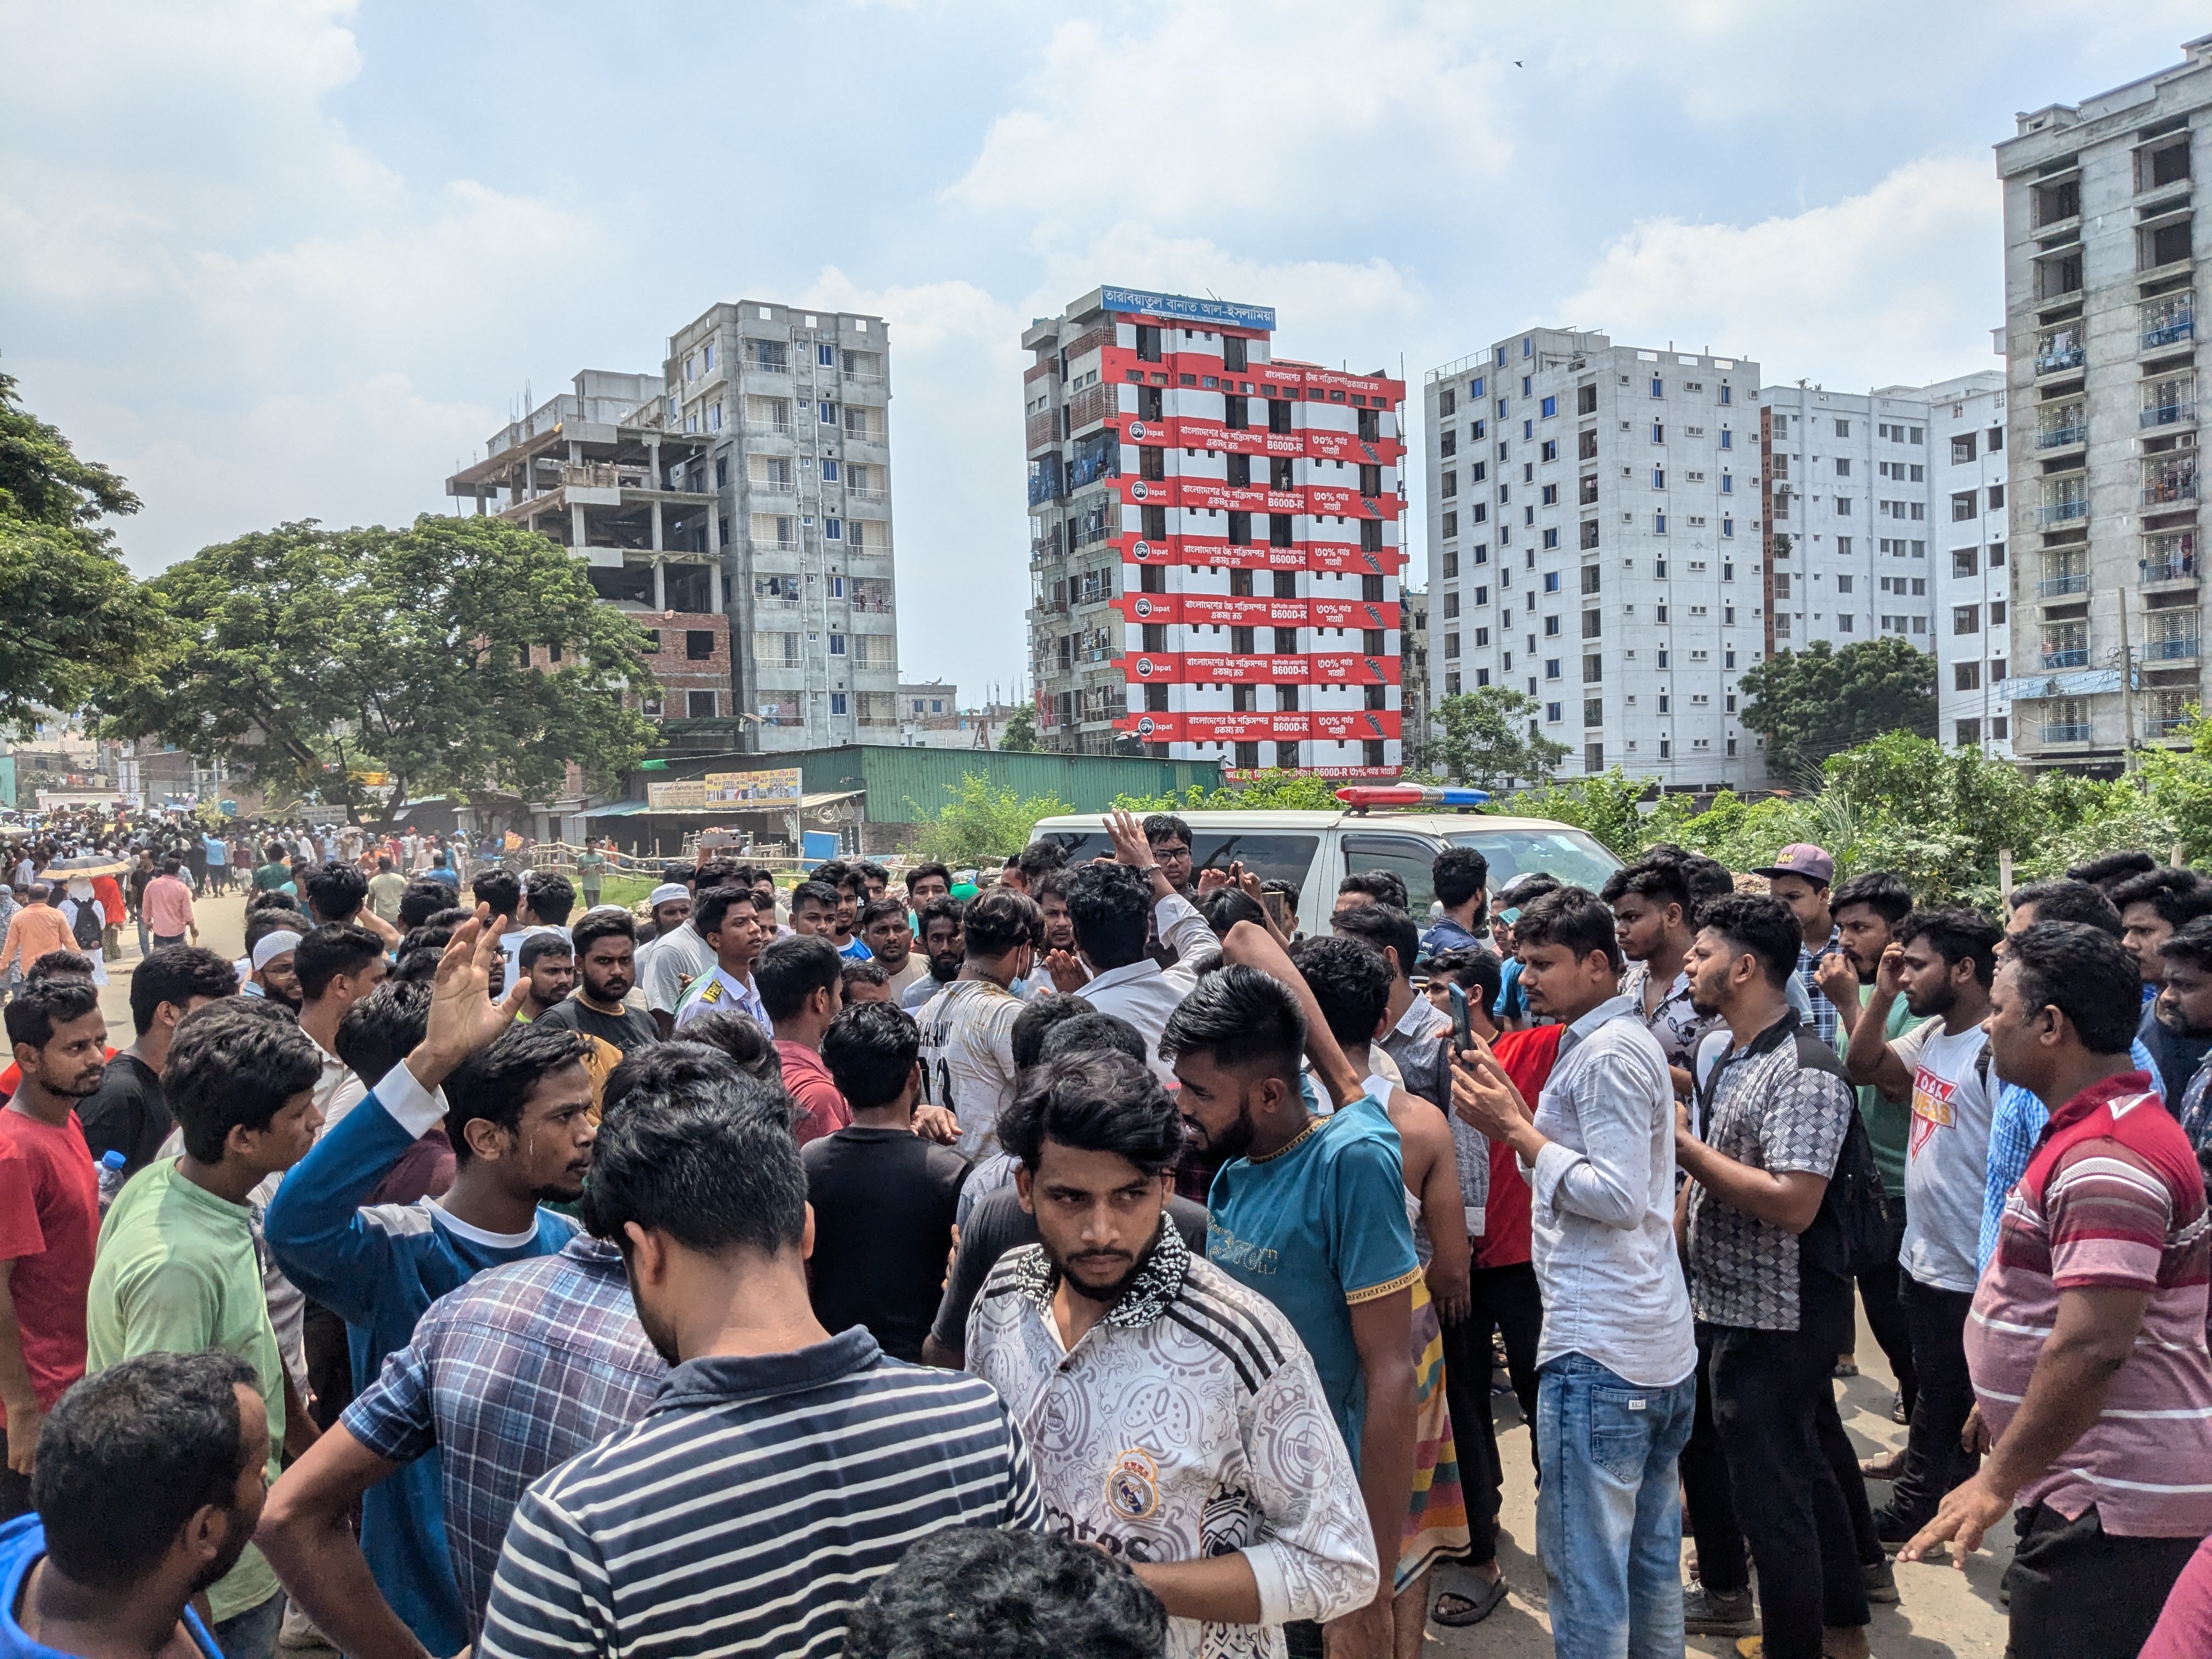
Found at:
(1770, 1392)
(2078, 1592)
(329, 1364)
(14, 1489)
(1503, 1299)
(1934, 1460)
(1886, 1317)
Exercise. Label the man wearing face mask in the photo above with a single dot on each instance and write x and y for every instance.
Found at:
(1252, 1518)
(967, 1027)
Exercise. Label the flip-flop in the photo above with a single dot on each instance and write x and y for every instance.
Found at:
(1478, 1607)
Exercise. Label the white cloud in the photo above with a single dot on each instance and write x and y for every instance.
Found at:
(1899, 284)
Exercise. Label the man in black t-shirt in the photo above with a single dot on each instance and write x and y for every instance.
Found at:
(884, 1197)
(606, 943)
(128, 1113)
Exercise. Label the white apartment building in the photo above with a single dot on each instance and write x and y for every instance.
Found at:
(1595, 541)
(2101, 272)
(791, 406)
(1887, 514)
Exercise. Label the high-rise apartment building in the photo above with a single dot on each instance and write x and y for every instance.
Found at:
(795, 405)
(1215, 553)
(2101, 274)
(1885, 515)
(738, 503)
(1595, 541)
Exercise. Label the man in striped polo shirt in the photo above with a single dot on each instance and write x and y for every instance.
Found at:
(2086, 1340)
(781, 1469)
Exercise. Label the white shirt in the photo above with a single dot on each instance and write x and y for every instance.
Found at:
(1187, 1422)
(1947, 1155)
(1602, 1213)
(672, 962)
(967, 1058)
(1144, 993)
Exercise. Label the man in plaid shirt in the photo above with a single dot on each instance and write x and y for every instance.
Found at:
(513, 1374)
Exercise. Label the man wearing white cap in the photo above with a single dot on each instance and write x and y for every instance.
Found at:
(680, 955)
(273, 971)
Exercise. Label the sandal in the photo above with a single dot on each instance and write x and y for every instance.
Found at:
(1471, 1610)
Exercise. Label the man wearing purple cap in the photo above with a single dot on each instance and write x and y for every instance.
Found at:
(1799, 876)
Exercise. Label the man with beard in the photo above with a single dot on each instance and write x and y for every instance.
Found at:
(1309, 1212)
(2151, 906)
(1249, 1514)
(517, 1104)
(1768, 1274)
(605, 943)
(2185, 1005)
(49, 1213)
(783, 1468)
(149, 1491)
(883, 929)
(180, 1271)
(942, 947)
(1942, 961)
(275, 973)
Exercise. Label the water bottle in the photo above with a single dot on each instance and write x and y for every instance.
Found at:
(111, 1178)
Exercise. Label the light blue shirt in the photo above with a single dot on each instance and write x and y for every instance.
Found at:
(2014, 1130)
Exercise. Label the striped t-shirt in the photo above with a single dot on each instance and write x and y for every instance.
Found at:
(753, 1506)
(2112, 1200)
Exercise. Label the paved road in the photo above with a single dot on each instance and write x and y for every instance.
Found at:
(1945, 1615)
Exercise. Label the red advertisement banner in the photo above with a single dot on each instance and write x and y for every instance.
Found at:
(1220, 610)
(1352, 613)
(1342, 556)
(1207, 432)
(1342, 772)
(1348, 725)
(1353, 668)
(1309, 556)
(1221, 726)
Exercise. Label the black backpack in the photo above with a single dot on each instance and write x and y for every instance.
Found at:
(85, 926)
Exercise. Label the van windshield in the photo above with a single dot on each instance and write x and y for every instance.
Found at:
(1570, 854)
(1272, 856)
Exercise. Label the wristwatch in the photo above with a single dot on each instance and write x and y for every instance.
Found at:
(1149, 870)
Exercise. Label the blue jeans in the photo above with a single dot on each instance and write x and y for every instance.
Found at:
(252, 1634)
(1609, 1515)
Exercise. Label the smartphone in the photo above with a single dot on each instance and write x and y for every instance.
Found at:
(1462, 1032)
(1278, 911)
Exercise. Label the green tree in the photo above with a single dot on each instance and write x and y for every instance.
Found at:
(1490, 739)
(1020, 736)
(981, 821)
(72, 608)
(1809, 704)
(317, 655)
(1608, 807)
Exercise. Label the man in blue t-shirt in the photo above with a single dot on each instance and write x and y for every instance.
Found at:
(150, 1481)
(518, 1108)
(1309, 1211)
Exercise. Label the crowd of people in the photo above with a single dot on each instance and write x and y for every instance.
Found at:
(1093, 1264)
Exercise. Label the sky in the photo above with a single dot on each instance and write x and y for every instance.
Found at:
(283, 259)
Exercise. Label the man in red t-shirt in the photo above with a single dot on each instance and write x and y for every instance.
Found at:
(1505, 1295)
(800, 981)
(49, 1214)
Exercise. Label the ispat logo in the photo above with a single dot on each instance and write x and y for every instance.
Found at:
(1145, 727)
(1144, 606)
(1136, 431)
(1142, 549)
(1145, 669)
(1139, 490)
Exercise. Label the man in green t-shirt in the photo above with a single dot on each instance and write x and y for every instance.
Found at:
(591, 874)
(275, 872)
(1867, 909)
(178, 1272)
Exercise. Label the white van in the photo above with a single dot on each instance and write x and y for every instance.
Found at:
(1316, 850)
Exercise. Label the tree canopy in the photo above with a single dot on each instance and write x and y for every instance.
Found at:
(1490, 739)
(320, 655)
(1020, 736)
(73, 611)
(1810, 704)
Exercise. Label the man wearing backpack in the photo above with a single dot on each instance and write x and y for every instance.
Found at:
(1769, 1253)
(1942, 961)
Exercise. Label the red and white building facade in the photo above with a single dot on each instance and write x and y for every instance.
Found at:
(1216, 556)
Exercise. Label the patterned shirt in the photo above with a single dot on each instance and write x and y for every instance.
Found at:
(2111, 1199)
(760, 1498)
(1189, 1422)
(1781, 1102)
(2014, 1130)
(1674, 1025)
(510, 1376)
(2196, 1117)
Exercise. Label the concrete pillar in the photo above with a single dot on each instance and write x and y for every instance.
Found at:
(652, 460)
(576, 524)
(656, 522)
(715, 586)
(659, 581)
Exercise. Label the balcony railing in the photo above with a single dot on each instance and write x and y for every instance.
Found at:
(2170, 570)
(2174, 414)
(2169, 725)
(775, 486)
(2166, 330)
(2051, 588)
(2175, 484)
(769, 428)
(2058, 437)
(862, 493)
(761, 543)
(2063, 352)
(2067, 657)
(2179, 648)
(2066, 732)
(2061, 512)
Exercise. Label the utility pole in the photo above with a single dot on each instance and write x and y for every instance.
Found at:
(2127, 758)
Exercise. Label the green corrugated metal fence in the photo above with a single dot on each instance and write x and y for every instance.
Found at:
(894, 776)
